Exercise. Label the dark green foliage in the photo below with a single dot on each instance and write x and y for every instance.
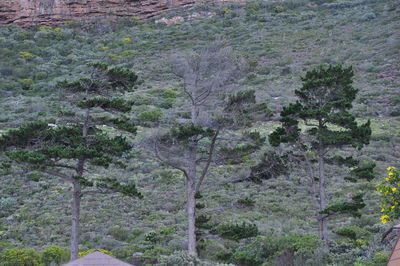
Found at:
(252, 141)
(246, 201)
(44, 145)
(115, 104)
(352, 207)
(200, 205)
(271, 165)
(123, 123)
(323, 107)
(121, 77)
(236, 231)
(202, 221)
(105, 77)
(241, 109)
(81, 85)
(346, 232)
(115, 185)
(339, 160)
(186, 132)
(324, 99)
(163, 234)
(67, 149)
(239, 102)
(364, 171)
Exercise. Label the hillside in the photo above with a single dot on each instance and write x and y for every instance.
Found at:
(280, 41)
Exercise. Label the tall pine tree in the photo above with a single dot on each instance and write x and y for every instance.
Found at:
(320, 122)
(68, 147)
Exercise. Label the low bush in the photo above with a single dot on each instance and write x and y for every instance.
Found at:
(19, 257)
(236, 231)
(182, 258)
(54, 255)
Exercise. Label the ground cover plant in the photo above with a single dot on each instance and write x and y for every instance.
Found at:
(280, 42)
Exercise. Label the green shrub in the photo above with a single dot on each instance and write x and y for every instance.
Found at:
(236, 231)
(246, 201)
(151, 116)
(7, 206)
(368, 16)
(163, 234)
(279, 9)
(182, 258)
(353, 232)
(119, 233)
(169, 94)
(202, 221)
(54, 254)
(154, 253)
(19, 257)
(26, 83)
(265, 249)
(41, 75)
(167, 103)
(346, 232)
(135, 233)
(126, 252)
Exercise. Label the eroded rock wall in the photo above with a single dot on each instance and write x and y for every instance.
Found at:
(51, 12)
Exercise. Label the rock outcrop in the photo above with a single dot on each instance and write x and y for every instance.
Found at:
(51, 12)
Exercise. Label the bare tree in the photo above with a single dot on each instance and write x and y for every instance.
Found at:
(212, 134)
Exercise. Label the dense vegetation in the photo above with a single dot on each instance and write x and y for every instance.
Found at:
(245, 216)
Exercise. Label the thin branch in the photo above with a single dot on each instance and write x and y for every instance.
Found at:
(99, 191)
(61, 175)
(168, 162)
(61, 165)
(210, 155)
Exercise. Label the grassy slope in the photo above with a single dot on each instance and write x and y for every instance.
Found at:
(279, 48)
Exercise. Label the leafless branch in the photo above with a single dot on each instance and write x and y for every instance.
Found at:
(210, 157)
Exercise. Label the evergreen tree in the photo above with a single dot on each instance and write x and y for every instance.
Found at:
(68, 147)
(320, 122)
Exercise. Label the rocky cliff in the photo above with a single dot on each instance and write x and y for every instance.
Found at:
(50, 12)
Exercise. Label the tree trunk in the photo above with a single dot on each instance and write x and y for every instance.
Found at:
(191, 208)
(77, 194)
(323, 222)
(76, 207)
(191, 201)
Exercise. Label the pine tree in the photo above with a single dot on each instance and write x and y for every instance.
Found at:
(68, 147)
(320, 122)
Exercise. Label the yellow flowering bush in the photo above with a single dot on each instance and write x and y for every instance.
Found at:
(26, 55)
(127, 40)
(83, 253)
(44, 28)
(389, 188)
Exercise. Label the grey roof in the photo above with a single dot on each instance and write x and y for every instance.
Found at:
(97, 258)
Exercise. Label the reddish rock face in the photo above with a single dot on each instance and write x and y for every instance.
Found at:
(51, 12)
